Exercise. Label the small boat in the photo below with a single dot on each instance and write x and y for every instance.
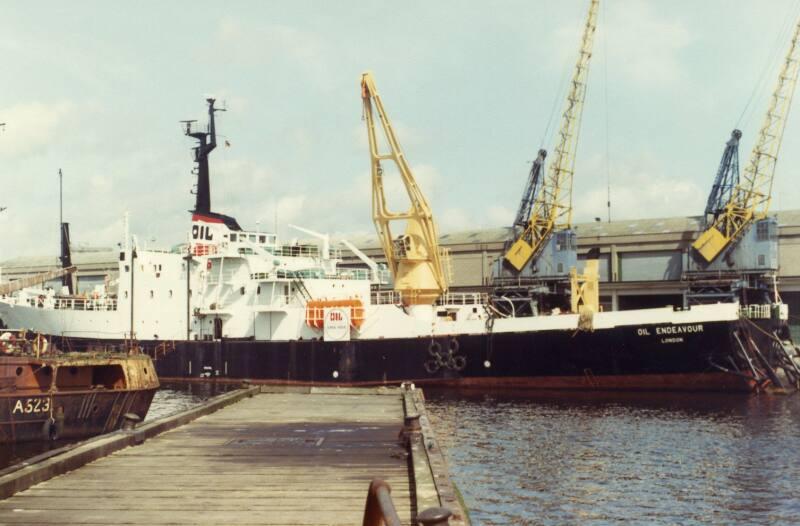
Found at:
(45, 395)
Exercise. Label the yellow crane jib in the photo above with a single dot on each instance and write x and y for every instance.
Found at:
(417, 263)
(552, 208)
(750, 199)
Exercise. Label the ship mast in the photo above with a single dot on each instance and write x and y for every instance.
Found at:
(3, 127)
(207, 141)
(66, 253)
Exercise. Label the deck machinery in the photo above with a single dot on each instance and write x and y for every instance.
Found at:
(735, 258)
(538, 259)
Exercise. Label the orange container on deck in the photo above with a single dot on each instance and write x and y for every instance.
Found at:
(315, 311)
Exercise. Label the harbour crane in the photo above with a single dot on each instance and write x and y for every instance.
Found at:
(750, 199)
(551, 210)
(419, 266)
(534, 270)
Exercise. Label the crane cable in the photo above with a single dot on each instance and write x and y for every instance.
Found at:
(774, 56)
(558, 97)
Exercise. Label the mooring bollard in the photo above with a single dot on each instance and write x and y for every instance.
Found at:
(129, 421)
(435, 517)
(411, 423)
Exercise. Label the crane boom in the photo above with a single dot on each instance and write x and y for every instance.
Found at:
(552, 207)
(532, 188)
(726, 180)
(36, 279)
(415, 259)
(751, 197)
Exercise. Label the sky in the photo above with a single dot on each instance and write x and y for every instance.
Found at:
(474, 89)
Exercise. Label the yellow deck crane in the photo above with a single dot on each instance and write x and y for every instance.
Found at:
(750, 198)
(417, 263)
(552, 206)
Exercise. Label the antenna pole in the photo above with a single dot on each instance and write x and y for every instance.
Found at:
(60, 200)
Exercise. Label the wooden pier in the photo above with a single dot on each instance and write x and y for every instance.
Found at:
(282, 456)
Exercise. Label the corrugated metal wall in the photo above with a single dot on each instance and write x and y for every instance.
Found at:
(650, 266)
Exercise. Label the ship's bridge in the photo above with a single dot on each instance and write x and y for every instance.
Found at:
(247, 243)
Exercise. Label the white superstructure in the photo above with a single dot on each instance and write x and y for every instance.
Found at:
(236, 284)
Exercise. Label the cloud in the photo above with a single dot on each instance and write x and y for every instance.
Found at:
(30, 126)
(499, 215)
(639, 189)
(244, 42)
(649, 50)
(454, 219)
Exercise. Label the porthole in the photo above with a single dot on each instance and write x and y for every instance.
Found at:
(73, 371)
(19, 371)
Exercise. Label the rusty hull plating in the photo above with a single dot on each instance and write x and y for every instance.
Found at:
(75, 395)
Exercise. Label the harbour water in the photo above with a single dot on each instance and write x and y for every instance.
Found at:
(569, 458)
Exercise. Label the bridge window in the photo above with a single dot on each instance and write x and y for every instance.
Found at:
(233, 237)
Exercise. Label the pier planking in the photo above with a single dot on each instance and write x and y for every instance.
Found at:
(287, 457)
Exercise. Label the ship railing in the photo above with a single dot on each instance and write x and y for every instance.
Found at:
(297, 251)
(202, 249)
(84, 304)
(386, 297)
(353, 273)
(463, 298)
(383, 276)
(756, 311)
(257, 238)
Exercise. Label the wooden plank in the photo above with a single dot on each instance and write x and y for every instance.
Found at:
(281, 458)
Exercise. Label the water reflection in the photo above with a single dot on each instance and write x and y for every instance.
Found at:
(565, 458)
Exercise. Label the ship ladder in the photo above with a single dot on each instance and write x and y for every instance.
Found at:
(300, 286)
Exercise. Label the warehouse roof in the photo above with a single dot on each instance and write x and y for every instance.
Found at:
(597, 230)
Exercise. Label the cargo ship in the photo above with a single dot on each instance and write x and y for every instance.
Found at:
(49, 395)
(239, 304)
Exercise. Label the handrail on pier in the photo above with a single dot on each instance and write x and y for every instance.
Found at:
(380, 511)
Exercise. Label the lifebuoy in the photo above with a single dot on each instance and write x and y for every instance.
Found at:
(434, 348)
(208, 265)
(39, 344)
(7, 341)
